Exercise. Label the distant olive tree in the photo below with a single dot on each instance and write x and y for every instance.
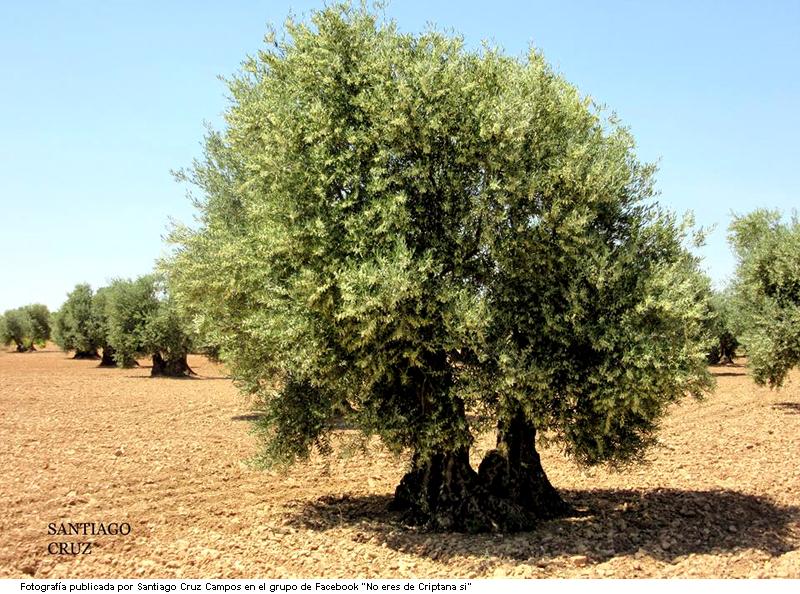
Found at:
(26, 327)
(767, 292)
(16, 328)
(143, 322)
(40, 323)
(100, 315)
(76, 326)
(723, 328)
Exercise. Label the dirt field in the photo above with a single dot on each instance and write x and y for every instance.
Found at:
(720, 497)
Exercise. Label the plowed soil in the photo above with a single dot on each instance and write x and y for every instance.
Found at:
(720, 497)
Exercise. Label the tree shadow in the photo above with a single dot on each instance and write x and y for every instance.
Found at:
(792, 408)
(664, 523)
(175, 377)
(337, 422)
(253, 416)
(728, 370)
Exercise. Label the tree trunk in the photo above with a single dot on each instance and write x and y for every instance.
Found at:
(445, 493)
(175, 367)
(22, 348)
(509, 493)
(108, 357)
(514, 471)
(86, 355)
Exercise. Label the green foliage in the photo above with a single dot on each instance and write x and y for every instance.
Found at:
(76, 325)
(767, 292)
(17, 329)
(129, 303)
(26, 326)
(165, 331)
(403, 229)
(40, 322)
(100, 314)
(141, 320)
(723, 328)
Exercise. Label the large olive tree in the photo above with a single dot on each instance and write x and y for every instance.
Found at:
(435, 241)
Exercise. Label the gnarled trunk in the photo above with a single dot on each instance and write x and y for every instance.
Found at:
(514, 471)
(443, 492)
(91, 354)
(509, 493)
(108, 357)
(175, 367)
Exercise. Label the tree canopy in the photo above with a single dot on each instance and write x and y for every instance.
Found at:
(76, 325)
(25, 327)
(142, 321)
(767, 292)
(16, 329)
(401, 230)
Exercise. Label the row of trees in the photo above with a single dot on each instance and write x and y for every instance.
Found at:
(127, 320)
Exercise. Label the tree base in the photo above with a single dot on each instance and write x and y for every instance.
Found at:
(108, 357)
(525, 486)
(446, 494)
(178, 367)
(509, 493)
(514, 470)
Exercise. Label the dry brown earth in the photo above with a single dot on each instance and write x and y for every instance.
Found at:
(719, 498)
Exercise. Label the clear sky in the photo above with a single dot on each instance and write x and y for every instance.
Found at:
(100, 100)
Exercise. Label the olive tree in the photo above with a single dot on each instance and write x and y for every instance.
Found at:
(40, 323)
(76, 327)
(435, 241)
(143, 322)
(100, 315)
(25, 327)
(16, 328)
(723, 328)
(767, 292)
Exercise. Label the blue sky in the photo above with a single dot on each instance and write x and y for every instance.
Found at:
(100, 100)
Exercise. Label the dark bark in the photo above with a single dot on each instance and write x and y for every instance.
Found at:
(724, 351)
(108, 357)
(514, 470)
(509, 493)
(86, 355)
(174, 367)
(445, 493)
(21, 348)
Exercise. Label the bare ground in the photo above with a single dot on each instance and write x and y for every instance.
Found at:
(719, 498)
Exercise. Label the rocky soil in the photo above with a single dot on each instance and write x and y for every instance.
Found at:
(720, 497)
